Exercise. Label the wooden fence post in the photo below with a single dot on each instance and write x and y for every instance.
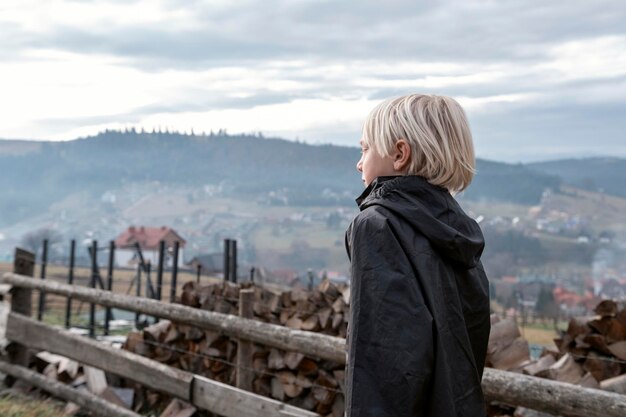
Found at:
(21, 303)
(173, 282)
(245, 375)
(42, 294)
(92, 284)
(70, 281)
(108, 315)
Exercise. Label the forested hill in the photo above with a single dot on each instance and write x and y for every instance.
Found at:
(246, 166)
(594, 174)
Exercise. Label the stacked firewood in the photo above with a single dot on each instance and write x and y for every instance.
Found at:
(291, 377)
(324, 309)
(590, 353)
(112, 388)
(85, 378)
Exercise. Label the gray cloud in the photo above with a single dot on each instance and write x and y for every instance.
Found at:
(513, 37)
(455, 30)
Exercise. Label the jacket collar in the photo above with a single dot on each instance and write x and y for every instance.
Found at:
(372, 188)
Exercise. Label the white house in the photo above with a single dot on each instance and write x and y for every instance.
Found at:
(148, 239)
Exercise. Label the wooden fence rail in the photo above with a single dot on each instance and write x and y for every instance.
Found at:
(312, 344)
(201, 392)
(506, 387)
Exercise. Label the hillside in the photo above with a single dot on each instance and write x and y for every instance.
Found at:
(242, 166)
(593, 174)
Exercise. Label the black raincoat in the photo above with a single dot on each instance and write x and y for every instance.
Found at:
(419, 311)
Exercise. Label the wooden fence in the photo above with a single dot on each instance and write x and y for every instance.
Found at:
(506, 387)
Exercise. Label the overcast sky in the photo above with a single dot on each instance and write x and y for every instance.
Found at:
(538, 79)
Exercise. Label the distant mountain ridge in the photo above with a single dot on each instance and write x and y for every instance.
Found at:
(36, 174)
(606, 174)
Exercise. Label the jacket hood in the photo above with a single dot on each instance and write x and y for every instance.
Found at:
(431, 211)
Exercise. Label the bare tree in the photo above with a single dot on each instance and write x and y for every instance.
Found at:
(33, 241)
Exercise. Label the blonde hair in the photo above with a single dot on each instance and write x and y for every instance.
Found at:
(437, 131)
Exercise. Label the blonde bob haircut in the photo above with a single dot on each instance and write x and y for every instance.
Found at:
(437, 131)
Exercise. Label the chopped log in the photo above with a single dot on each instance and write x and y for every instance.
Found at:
(338, 406)
(285, 315)
(588, 381)
(329, 289)
(340, 377)
(578, 326)
(190, 296)
(502, 334)
(299, 295)
(277, 390)
(50, 372)
(324, 390)
(112, 396)
(272, 301)
(275, 360)
(311, 324)
(285, 299)
(345, 294)
(259, 359)
(508, 356)
(134, 343)
(293, 359)
(224, 307)
(580, 343)
(618, 349)
(157, 331)
(616, 332)
(601, 367)
(305, 308)
(291, 388)
(178, 408)
(306, 402)
(539, 366)
(262, 386)
(621, 317)
(324, 317)
(337, 320)
(96, 379)
(44, 359)
(606, 308)
(566, 370)
(602, 325)
(303, 381)
(126, 395)
(68, 370)
(616, 384)
(308, 367)
(339, 305)
(78, 381)
(294, 323)
(597, 342)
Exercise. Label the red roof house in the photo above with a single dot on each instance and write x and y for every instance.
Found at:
(148, 237)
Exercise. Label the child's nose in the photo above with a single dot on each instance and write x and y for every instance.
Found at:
(359, 166)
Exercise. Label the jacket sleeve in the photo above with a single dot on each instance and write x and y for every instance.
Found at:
(390, 334)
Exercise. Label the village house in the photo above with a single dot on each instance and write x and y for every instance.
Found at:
(148, 239)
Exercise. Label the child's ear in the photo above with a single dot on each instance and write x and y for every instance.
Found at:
(402, 156)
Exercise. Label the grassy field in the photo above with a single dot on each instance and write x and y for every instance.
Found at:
(55, 305)
(18, 406)
(539, 335)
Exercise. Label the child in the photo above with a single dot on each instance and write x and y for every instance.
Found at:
(419, 320)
